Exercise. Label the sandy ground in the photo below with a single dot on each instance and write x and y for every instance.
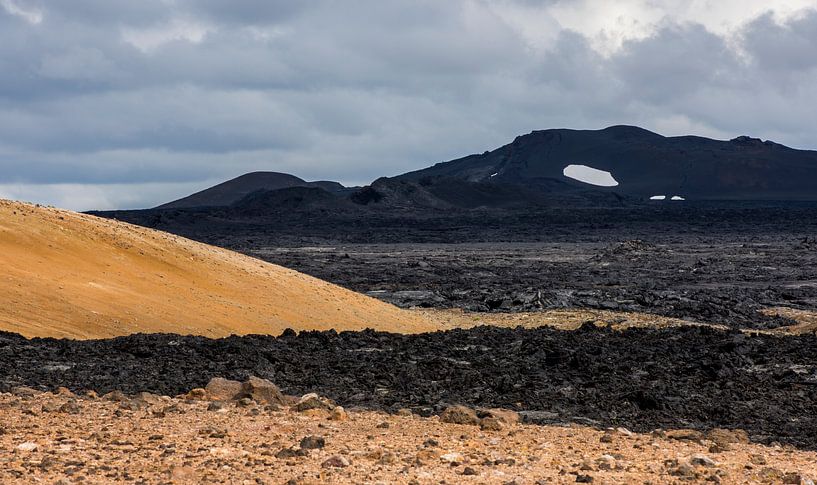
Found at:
(173, 440)
(73, 275)
(574, 318)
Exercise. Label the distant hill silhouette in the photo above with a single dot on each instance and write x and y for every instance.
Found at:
(644, 163)
(233, 190)
(529, 173)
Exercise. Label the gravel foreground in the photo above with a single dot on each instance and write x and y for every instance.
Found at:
(638, 378)
(66, 439)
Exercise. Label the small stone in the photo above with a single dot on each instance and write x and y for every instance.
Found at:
(504, 416)
(793, 479)
(684, 435)
(624, 432)
(757, 459)
(607, 437)
(115, 396)
(451, 458)
(313, 442)
(262, 391)
(383, 425)
(491, 424)
(220, 389)
(51, 406)
(683, 470)
(584, 478)
(459, 415)
(336, 461)
(64, 392)
(727, 436)
(197, 394)
(217, 406)
(426, 457)
(404, 412)
(720, 447)
(27, 446)
(23, 391)
(338, 414)
(245, 402)
(286, 453)
(312, 401)
(606, 462)
(70, 407)
(469, 471)
(702, 460)
(387, 458)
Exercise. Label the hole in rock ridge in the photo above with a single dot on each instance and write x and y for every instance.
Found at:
(590, 175)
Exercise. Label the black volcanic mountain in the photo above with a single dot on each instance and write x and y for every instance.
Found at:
(232, 191)
(529, 173)
(644, 163)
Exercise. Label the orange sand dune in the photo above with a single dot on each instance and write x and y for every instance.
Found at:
(73, 275)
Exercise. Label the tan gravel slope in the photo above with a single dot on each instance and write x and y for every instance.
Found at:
(66, 274)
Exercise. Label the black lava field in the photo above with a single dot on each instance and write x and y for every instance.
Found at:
(639, 378)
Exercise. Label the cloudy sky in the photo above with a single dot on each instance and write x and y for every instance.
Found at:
(125, 104)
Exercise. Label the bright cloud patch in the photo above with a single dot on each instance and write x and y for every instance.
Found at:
(590, 175)
(677, 197)
(658, 197)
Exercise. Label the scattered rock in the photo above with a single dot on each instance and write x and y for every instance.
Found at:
(491, 424)
(469, 471)
(115, 396)
(220, 389)
(702, 460)
(606, 462)
(23, 391)
(684, 470)
(757, 459)
(459, 415)
(727, 436)
(451, 458)
(64, 392)
(338, 414)
(262, 391)
(286, 453)
(217, 406)
(795, 479)
(336, 461)
(312, 401)
(426, 457)
(197, 394)
(684, 435)
(51, 406)
(584, 478)
(70, 407)
(27, 446)
(313, 442)
(387, 458)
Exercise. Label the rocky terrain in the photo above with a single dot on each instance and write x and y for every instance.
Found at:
(212, 436)
(714, 280)
(640, 378)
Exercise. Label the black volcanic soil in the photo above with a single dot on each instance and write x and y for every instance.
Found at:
(717, 281)
(710, 262)
(639, 378)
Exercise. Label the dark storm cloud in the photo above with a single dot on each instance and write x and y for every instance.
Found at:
(100, 92)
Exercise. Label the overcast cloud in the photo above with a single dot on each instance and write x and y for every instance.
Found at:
(124, 104)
